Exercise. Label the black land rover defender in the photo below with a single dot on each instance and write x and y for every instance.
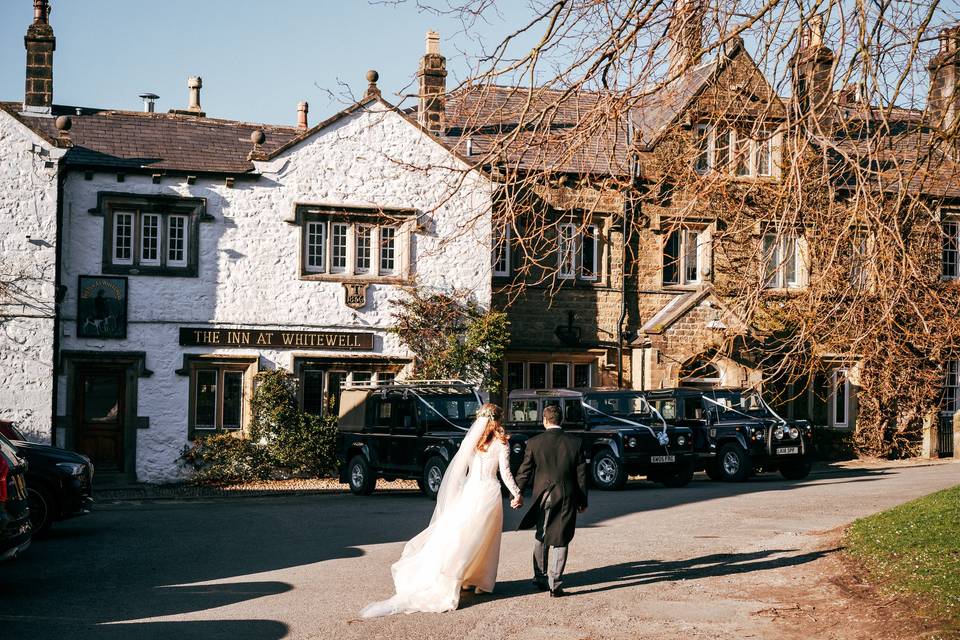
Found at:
(405, 430)
(617, 429)
(735, 432)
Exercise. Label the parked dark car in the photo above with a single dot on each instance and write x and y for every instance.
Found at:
(15, 527)
(736, 434)
(618, 430)
(59, 482)
(405, 430)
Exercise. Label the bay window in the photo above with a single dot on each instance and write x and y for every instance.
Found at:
(739, 152)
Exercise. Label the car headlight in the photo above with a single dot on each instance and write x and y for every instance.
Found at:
(71, 468)
(758, 433)
(778, 432)
(517, 448)
(681, 440)
(631, 442)
(794, 433)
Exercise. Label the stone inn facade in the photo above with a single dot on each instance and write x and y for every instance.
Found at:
(161, 259)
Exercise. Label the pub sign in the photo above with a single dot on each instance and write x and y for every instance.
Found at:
(276, 339)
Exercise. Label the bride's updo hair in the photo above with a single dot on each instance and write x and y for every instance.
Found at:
(494, 428)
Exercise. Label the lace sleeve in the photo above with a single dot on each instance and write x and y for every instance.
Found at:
(505, 474)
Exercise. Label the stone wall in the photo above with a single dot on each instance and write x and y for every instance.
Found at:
(28, 236)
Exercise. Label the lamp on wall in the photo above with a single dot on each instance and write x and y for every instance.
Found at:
(570, 334)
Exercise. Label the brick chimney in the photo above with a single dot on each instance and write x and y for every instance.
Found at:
(686, 35)
(812, 69)
(943, 101)
(40, 43)
(433, 87)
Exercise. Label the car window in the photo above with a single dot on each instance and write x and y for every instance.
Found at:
(405, 417)
(382, 412)
(523, 410)
(692, 409)
(572, 411)
(442, 412)
(667, 408)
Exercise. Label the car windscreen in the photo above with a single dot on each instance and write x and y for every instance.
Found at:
(461, 410)
(731, 405)
(620, 405)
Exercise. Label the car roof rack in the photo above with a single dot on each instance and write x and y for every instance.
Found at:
(432, 386)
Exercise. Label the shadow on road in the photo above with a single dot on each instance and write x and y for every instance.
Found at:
(642, 572)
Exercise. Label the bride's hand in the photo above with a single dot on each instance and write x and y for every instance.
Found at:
(517, 502)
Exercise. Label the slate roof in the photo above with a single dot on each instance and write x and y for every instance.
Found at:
(566, 131)
(135, 140)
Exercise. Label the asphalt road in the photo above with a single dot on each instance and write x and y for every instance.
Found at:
(697, 562)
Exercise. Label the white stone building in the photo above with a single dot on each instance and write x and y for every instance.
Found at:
(191, 252)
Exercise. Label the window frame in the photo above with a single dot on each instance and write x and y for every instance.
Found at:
(111, 206)
(681, 265)
(501, 251)
(950, 246)
(330, 368)
(244, 365)
(778, 277)
(573, 366)
(571, 240)
(832, 417)
(395, 245)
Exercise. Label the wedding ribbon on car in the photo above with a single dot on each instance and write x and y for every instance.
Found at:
(746, 415)
(661, 436)
(443, 417)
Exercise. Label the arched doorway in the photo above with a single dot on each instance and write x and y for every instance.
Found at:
(700, 373)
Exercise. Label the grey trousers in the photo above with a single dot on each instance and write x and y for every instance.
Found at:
(548, 562)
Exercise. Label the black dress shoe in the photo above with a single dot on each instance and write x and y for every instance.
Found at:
(557, 593)
(540, 585)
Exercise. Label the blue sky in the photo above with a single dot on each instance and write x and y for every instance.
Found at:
(257, 58)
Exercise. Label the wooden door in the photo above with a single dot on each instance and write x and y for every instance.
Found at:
(100, 411)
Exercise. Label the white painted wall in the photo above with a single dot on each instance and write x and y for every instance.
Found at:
(28, 209)
(249, 269)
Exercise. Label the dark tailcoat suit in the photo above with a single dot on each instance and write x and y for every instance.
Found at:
(557, 464)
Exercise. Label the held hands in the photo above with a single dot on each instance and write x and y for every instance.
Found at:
(517, 502)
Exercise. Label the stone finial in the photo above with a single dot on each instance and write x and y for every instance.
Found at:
(258, 137)
(372, 89)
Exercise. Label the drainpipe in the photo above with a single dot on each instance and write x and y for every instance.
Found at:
(57, 297)
(633, 168)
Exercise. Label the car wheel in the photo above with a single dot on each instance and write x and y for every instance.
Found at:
(713, 471)
(361, 478)
(797, 470)
(679, 476)
(733, 463)
(607, 472)
(433, 476)
(42, 509)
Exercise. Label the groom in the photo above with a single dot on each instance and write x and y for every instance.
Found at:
(556, 461)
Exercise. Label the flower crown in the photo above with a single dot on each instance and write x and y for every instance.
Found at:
(488, 412)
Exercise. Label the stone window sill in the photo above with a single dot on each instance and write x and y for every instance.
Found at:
(343, 277)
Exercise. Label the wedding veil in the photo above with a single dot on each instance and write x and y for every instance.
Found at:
(454, 480)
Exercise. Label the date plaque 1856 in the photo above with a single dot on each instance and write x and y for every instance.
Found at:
(355, 294)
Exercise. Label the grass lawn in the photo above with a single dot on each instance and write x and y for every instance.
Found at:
(915, 549)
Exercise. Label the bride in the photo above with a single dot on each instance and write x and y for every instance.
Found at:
(461, 547)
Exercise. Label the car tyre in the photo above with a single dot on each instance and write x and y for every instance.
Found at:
(679, 476)
(43, 508)
(607, 472)
(733, 463)
(432, 476)
(360, 477)
(797, 470)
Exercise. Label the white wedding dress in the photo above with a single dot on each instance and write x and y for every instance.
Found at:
(461, 547)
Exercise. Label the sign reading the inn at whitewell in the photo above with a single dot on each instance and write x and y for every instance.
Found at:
(102, 307)
(276, 339)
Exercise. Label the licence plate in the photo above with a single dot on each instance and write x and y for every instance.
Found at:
(661, 459)
(786, 451)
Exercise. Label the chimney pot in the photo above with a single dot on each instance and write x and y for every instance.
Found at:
(943, 98)
(194, 84)
(148, 101)
(40, 45)
(303, 108)
(433, 42)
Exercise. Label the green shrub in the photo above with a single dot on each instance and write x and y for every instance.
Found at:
(300, 442)
(225, 458)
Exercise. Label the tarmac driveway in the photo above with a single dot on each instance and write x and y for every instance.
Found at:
(707, 561)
